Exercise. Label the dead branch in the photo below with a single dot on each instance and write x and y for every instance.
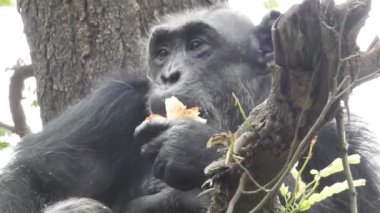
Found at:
(7, 126)
(15, 96)
(369, 63)
(314, 46)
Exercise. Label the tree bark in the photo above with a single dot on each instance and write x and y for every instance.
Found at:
(315, 58)
(74, 42)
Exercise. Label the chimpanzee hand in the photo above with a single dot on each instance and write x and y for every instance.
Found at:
(177, 149)
(169, 200)
(157, 197)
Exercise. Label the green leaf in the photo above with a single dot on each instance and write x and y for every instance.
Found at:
(35, 103)
(328, 191)
(6, 3)
(271, 4)
(284, 190)
(337, 165)
(4, 132)
(3, 145)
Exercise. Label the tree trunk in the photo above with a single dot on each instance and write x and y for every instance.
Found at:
(73, 43)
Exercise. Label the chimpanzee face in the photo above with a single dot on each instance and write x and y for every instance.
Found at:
(202, 61)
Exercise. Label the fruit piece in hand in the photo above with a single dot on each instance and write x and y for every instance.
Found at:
(175, 109)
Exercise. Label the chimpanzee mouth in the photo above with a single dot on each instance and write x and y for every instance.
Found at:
(203, 113)
(157, 106)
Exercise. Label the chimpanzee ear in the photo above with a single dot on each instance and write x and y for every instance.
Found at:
(264, 37)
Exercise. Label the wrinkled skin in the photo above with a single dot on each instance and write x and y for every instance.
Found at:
(117, 159)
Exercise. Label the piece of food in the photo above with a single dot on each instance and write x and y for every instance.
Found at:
(155, 117)
(175, 109)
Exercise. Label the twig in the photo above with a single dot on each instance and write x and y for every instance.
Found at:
(310, 134)
(15, 95)
(260, 187)
(347, 171)
(8, 127)
(369, 62)
(297, 154)
(237, 194)
(292, 151)
(366, 78)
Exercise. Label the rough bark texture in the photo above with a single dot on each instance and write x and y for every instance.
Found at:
(74, 42)
(315, 49)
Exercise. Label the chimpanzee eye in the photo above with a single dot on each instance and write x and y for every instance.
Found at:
(162, 53)
(195, 44)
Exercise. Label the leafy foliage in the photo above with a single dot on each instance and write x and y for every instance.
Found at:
(328, 191)
(270, 4)
(304, 195)
(6, 3)
(3, 145)
(35, 103)
(4, 132)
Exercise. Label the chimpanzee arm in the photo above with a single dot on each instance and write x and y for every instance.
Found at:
(85, 152)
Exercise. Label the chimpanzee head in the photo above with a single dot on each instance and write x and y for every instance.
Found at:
(203, 58)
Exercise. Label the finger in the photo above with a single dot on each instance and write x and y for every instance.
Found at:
(150, 150)
(148, 130)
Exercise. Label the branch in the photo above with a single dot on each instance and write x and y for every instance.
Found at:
(8, 127)
(15, 96)
(369, 63)
(347, 171)
(309, 80)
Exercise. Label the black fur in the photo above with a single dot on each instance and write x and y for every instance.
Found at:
(101, 149)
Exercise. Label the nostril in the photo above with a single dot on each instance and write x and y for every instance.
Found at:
(174, 77)
(170, 78)
(164, 79)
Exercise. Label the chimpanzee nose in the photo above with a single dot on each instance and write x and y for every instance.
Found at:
(171, 73)
(170, 77)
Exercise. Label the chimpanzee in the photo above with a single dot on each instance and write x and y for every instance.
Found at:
(100, 152)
